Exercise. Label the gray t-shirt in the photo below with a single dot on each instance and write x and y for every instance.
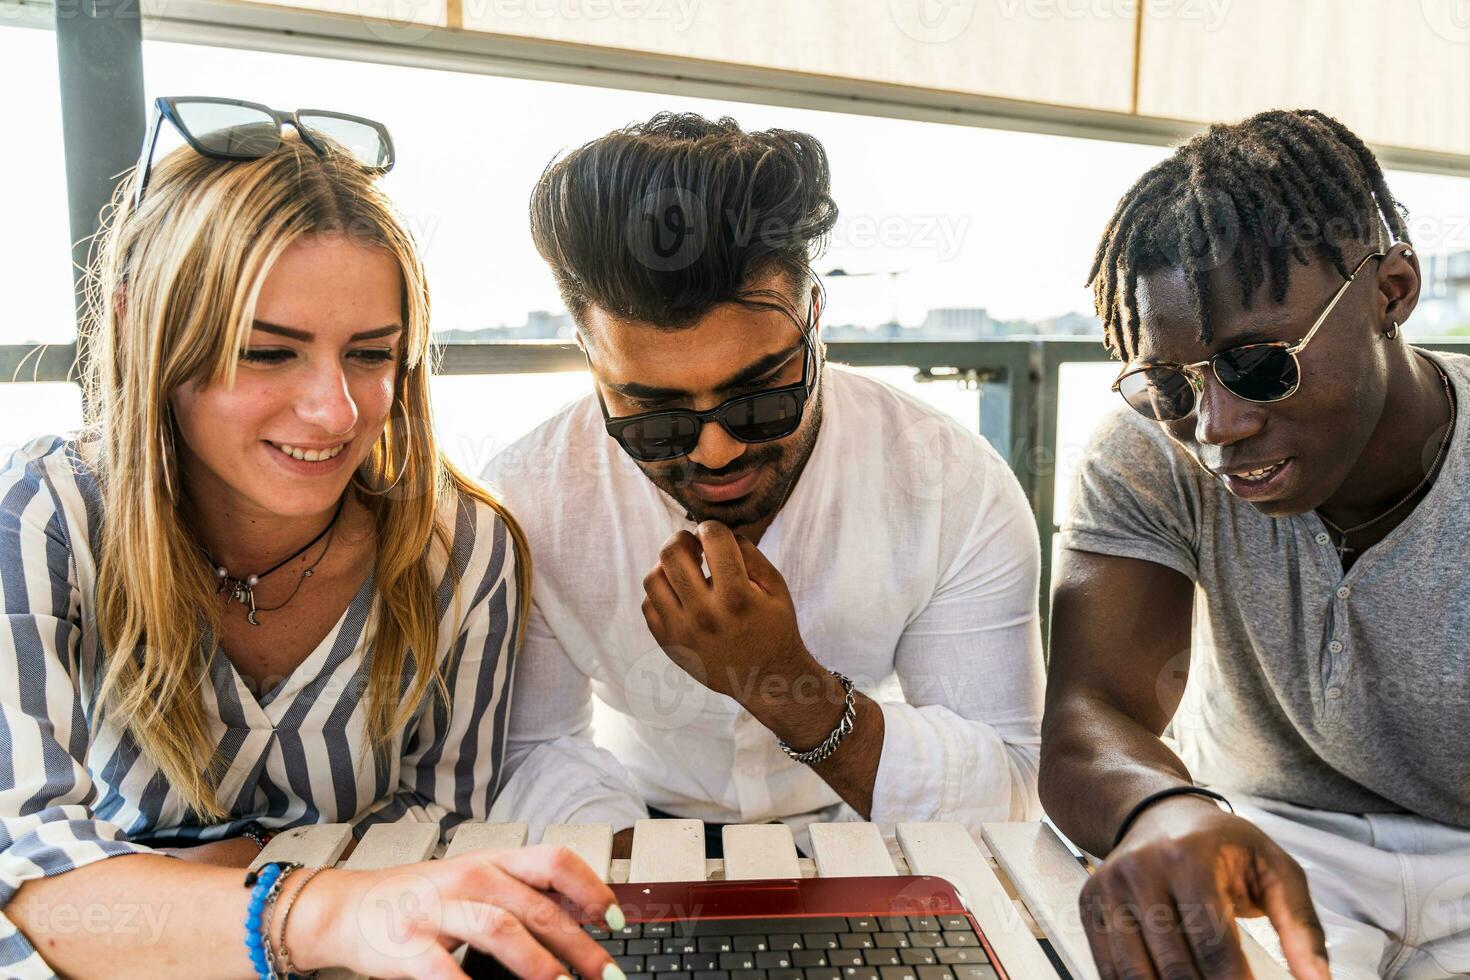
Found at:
(1346, 692)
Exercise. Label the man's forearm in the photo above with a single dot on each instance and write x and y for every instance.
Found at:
(804, 712)
(1096, 764)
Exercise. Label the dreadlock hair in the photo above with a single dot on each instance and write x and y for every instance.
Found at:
(1277, 188)
(665, 219)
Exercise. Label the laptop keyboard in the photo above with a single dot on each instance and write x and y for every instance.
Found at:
(826, 948)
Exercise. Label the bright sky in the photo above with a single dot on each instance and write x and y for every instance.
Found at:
(967, 217)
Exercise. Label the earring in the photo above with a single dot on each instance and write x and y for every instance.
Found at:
(1408, 253)
(1393, 330)
(407, 454)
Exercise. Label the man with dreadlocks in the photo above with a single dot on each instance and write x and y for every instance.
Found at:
(1279, 511)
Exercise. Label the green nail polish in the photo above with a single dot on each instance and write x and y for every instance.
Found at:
(615, 921)
(562, 976)
(611, 972)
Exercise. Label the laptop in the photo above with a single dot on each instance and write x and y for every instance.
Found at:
(897, 927)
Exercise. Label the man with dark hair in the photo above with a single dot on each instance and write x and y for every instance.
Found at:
(796, 592)
(1278, 514)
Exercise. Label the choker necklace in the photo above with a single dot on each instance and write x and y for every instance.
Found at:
(1444, 445)
(233, 587)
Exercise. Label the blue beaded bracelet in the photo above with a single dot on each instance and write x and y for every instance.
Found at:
(264, 884)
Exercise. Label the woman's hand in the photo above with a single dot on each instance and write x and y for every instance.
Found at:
(403, 922)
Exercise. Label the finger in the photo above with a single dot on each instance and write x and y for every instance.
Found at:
(556, 930)
(1288, 904)
(722, 555)
(760, 570)
(1126, 948)
(679, 559)
(655, 622)
(659, 592)
(1162, 935)
(1207, 922)
(550, 868)
(1095, 928)
(497, 931)
(434, 963)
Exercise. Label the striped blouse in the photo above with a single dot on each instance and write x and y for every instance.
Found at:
(295, 753)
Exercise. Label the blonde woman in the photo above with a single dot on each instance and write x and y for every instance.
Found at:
(252, 593)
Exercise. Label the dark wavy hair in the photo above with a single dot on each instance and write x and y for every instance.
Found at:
(663, 220)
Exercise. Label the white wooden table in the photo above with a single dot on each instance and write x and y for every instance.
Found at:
(1019, 880)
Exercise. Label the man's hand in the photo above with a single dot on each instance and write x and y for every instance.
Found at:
(1165, 901)
(735, 630)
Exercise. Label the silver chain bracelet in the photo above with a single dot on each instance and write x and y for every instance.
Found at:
(830, 743)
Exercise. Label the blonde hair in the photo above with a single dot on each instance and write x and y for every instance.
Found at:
(172, 293)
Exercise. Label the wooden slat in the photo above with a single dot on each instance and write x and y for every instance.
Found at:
(667, 850)
(312, 845)
(388, 845)
(1049, 880)
(484, 836)
(847, 850)
(592, 842)
(948, 851)
(759, 851)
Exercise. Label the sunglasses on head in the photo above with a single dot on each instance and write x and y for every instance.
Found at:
(665, 434)
(228, 129)
(1265, 372)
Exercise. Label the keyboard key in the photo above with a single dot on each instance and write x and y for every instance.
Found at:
(862, 925)
(935, 973)
(701, 961)
(789, 974)
(681, 944)
(671, 976)
(737, 961)
(961, 939)
(917, 956)
(615, 947)
(640, 947)
(751, 944)
(824, 973)
(629, 964)
(787, 941)
(881, 957)
(663, 963)
(774, 960)
(891, 940)
(948, 922)
(845, 957)
(809, 957)
(968, 973)
(923, 923)
(657, 930)
(711, 975)
(860, 973)
(640, 976)
(748, 975)
(819, 940)
(633, 930)
(950, 955)
(897, 973)
(892, 923)
(856, 940)
(596, 931)
(929, 939)
(715, 944)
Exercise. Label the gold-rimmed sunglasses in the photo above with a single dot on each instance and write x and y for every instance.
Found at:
(1262, 372)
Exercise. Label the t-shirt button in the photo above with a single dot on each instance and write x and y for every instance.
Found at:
(1334, 693)
(1343, 592)
(1323, 538)
(1334, 647)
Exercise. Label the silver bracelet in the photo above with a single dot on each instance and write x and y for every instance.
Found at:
(830, 743)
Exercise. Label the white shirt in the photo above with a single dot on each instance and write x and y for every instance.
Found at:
(912, 559)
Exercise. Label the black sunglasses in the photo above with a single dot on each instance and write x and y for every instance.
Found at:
(1268, 372)
(666, 434)
(228, 129)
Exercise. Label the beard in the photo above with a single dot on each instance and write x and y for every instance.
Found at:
(782, 461)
